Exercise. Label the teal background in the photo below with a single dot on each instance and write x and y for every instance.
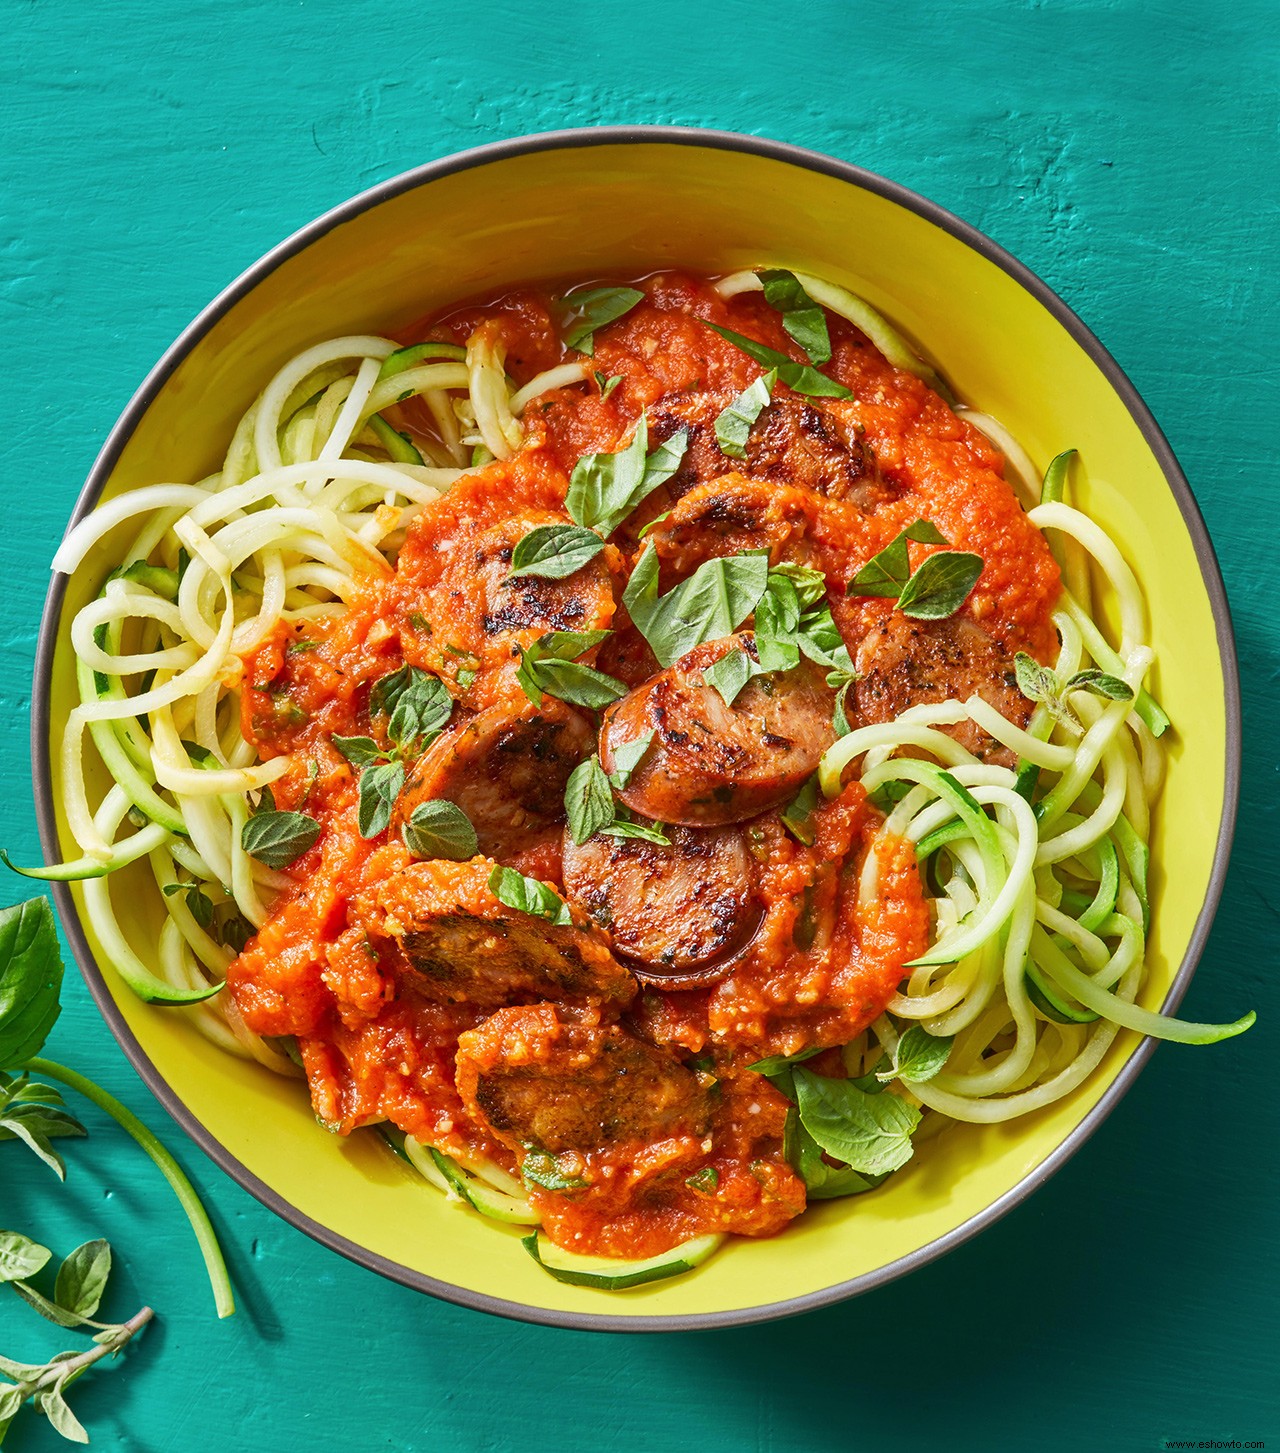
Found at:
(1124, 151)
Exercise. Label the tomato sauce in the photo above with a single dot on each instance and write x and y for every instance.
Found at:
(827, 955)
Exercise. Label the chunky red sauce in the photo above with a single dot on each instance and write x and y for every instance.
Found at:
(642, 1094)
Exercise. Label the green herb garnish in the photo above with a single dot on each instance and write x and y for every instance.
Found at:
(802, 318)
(277, 838)
(710, 605)
(935, 591)
(801, 377)
(542, 1168)
(440, 829)
(1044, 685)
(733, 425)
(918, 1057)
(527, 895)
(549, 665)
(593, 308)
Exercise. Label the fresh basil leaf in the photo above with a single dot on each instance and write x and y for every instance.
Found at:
(798, 376)
(870, 1133)
(571, 681)
(920, 1055)
(648, 832)
(387, 690)
(733, 424)
(440, 829)
(588, 800)
(839, 720)
(47, 1308)
(82, 1278)
(1101, 683)
(554, 551)
(731, 673)
(819, 638)
(594, 308)
(555, 645)
(886, 573)
(605, 488)
(36, 1125)
(20, 1257)
(62, 1420)
(201, 756)
(941, 585)
(777, 620)
(606, 385)
(359, 751)
(710, 605)
(527, 895)
(278, 838)
(803, 319)
(30, 980)
(627, 758)
(705, 1180)
(421, 711)
(779, 1069)
(542, 1168)
(823, 1181)
(795, 817)
(379, 787)
(810, 584)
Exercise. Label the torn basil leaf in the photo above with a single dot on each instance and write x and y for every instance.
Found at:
(710, 605)
(919, 1056)
(798, 376)
(278, 838)
(648, 832)
(588, 800)
(627, 758)
(803, 319)
(839, 718)
(548, 666)
(543, 1169)
(731, 673)
(870, 1133)
(593, 308)
(810, 584)
(705, 1180)
(819, 638)
(555, 551)
(886, 573)
(440, 829)
(527, 895)
(796, 815)
(606, 385)
(605, 488)
(733, 424)
(777, 620)
(941, 585)
(379, 787)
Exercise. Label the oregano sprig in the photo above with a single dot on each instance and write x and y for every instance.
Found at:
(1044, 685)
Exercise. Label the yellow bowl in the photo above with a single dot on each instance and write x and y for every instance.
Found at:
(592, 203)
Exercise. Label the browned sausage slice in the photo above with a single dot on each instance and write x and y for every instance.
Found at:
(903, 663)
(459, 944)
(535, 1079)
(709, 763)
(681, 910)
(506, 768)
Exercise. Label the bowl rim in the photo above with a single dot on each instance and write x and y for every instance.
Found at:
(582, 137)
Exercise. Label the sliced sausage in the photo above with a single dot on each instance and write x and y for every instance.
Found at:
(534, 1078)
(902, 663)
(506, 768)
(817, 447)
(682, 911)
(732, 514)
(458, 943)
(709, 763)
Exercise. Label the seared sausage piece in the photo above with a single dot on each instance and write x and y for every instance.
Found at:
(794, 441)
(681, 910)
(902, 662)
(708, 763)
(536, 1079)
(460, 944)
(733, 514)
(506, 768)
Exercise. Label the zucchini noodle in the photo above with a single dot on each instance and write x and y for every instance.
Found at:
(1035, 876)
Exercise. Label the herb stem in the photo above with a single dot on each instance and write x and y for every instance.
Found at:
(61, 1373)
(215, 1265)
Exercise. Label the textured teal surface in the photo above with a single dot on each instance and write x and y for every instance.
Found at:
(1127, 153)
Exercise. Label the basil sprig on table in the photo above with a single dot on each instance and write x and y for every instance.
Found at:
(417, 706)
(603, 491)
(1044, 685)
(709, 605)
(936, 590)
(802, 318)
(550, 666)
(733, 424)
(593, 308)
(803, 378)
(33, 1114)
(528, 895)
(589, 806)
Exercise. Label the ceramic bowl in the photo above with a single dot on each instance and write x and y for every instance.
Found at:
(607, 202)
